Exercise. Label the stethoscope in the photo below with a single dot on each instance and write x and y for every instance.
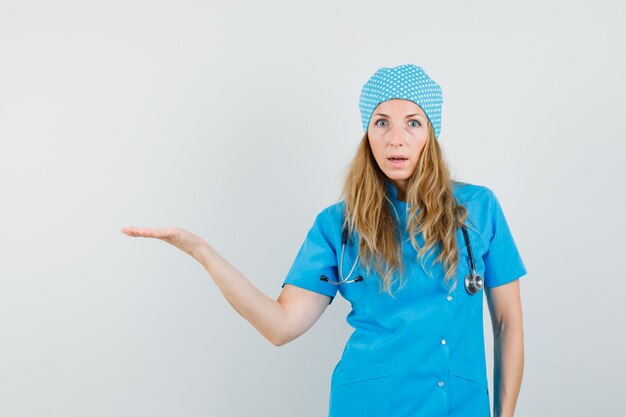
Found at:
(473, 281)
(344, 240)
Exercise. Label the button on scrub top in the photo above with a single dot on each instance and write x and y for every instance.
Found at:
(422, 353)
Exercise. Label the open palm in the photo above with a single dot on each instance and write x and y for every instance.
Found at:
(176, 236)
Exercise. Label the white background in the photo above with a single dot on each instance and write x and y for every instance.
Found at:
(236, 120)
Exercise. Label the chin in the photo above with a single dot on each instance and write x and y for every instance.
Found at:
(397, 176)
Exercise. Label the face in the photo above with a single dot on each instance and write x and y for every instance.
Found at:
(398, 128)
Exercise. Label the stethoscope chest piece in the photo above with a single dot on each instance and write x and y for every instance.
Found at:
(473, 283)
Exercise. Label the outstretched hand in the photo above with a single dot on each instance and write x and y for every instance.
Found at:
(176, 236)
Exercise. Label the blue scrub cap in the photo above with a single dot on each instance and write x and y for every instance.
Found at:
(408, 82)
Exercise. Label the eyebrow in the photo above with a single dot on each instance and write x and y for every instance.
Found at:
(410, 115)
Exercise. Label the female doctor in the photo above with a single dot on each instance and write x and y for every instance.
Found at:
(413, 251)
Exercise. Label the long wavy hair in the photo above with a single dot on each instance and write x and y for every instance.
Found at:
(434, 213)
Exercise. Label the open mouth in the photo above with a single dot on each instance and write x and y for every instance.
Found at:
(397, 162)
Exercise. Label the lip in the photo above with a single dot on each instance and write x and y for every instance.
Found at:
(398, 164)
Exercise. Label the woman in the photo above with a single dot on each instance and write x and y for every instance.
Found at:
(395, 247)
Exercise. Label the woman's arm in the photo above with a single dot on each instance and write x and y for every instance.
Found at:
(508, 337)
(279, 321)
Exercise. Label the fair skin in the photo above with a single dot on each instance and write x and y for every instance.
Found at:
(397, 127)
(505, 309)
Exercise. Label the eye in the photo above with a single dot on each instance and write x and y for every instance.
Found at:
(413, 120)
(380, 120)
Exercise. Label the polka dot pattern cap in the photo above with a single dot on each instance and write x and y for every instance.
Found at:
(408, 82)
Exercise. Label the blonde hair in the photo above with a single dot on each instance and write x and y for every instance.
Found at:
(368, 212)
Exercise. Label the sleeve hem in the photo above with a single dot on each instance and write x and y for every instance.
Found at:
(519, 274)
(310, 288)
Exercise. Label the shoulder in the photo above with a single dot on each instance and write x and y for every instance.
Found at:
(475, 195)
(325, 230)
(335, 209)
(333, 213)
(479, 200)
(329, 219)
(484, 209)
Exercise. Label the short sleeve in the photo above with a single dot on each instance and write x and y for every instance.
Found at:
(317, 256)
(503, 262)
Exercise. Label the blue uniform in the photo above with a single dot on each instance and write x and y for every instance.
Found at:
(422, 353)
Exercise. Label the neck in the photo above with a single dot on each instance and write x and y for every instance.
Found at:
(401, 196)
(400, 190)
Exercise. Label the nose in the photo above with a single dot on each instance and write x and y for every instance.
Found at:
(396, 136)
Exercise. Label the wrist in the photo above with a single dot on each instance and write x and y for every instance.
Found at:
(203, 253)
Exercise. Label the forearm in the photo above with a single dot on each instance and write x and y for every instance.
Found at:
(264, 313)
(508, 368)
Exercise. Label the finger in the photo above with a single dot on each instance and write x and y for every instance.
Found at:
(142, 232)
(130, 231)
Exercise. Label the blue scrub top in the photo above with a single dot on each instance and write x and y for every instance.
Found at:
(422, 353)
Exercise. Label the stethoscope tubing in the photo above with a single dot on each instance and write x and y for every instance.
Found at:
(473, 282)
